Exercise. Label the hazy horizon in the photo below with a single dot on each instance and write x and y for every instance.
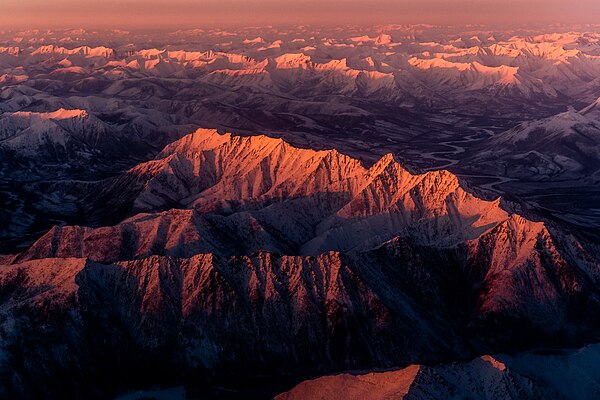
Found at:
(145, 14)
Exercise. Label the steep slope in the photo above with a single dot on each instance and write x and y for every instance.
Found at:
(532, 278)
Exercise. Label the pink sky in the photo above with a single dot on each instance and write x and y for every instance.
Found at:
(197, 13)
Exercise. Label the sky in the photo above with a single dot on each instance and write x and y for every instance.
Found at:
(148, 14)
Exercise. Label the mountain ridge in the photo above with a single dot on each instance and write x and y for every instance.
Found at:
(226, 186)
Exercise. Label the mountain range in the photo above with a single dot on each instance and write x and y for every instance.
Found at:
(247, 253)
(409, 210)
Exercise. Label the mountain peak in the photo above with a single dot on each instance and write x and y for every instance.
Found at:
(200, 139)
(61, 113)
